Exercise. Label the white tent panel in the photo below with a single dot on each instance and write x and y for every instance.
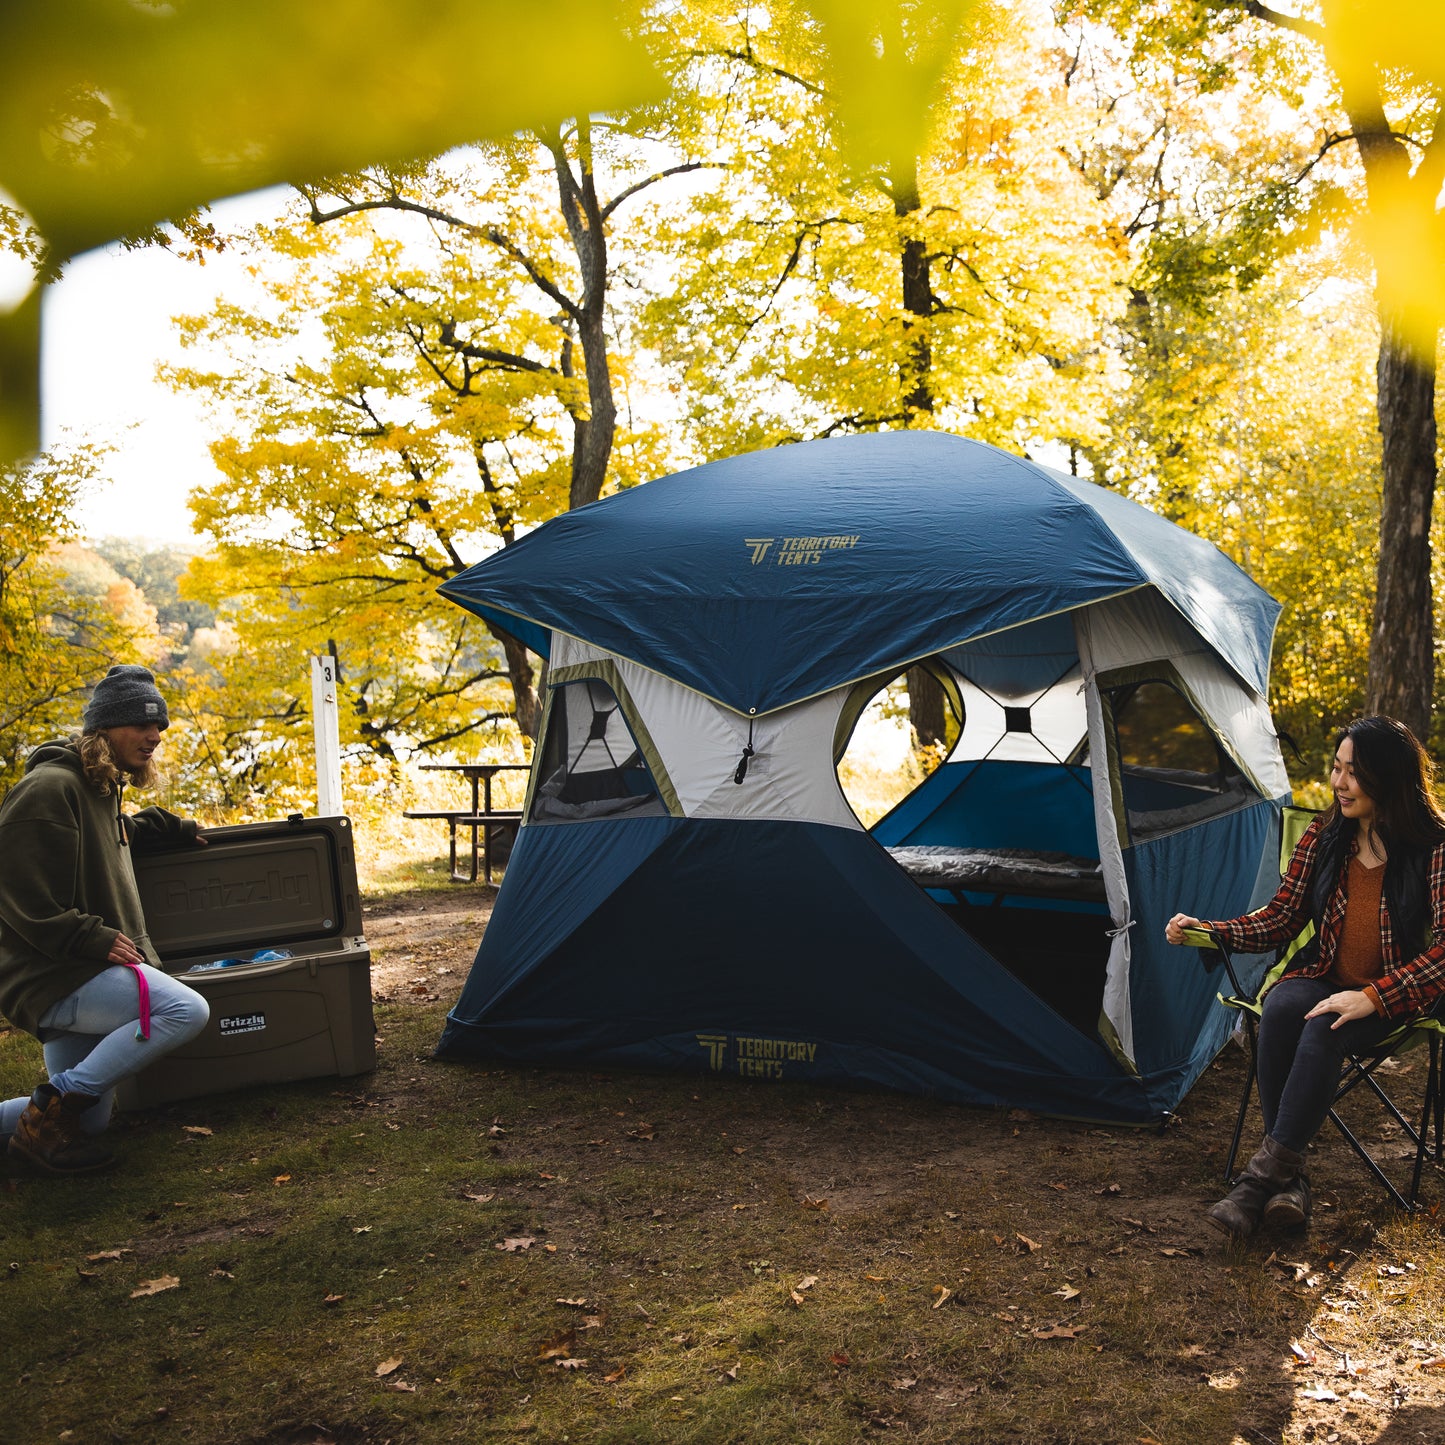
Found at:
(789, 776)
(1143, 627)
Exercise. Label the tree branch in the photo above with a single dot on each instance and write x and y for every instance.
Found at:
(643, 184)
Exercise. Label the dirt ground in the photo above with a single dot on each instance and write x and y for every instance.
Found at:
(1354, 1359)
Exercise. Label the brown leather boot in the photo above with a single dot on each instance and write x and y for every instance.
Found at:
(1290, 1208)
(49, 1134)
(1269, 1173)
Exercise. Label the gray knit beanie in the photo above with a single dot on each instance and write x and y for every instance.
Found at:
(126, 696)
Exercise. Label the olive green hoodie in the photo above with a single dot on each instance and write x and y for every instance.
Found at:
(67, 887)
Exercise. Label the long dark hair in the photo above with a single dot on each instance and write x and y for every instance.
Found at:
(1399, 778)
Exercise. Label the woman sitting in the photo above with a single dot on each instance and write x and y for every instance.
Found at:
(1370, 875)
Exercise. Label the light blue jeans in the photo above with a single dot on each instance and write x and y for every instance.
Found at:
(91, 1038)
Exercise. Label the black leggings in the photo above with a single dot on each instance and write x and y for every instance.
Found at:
(1299, 1058)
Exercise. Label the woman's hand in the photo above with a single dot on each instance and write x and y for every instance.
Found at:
(1174, 929)
(124, 951)
(1349, 1004)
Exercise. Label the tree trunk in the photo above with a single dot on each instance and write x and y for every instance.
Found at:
(915, 384)
(1402, 641)
(523, 679)
(916, 365)
(926, 708)
(593, 434)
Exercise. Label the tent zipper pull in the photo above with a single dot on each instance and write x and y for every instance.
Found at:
(742, 771)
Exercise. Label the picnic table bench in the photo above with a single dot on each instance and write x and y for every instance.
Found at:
(482, 818)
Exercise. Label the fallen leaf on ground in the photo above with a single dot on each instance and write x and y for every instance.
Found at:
(333, 1299)
(903, 1384)
(281, 1179)
(839, 1359)
(1321, 1393)
(1028, 1244)
(1108, 1189)
(1437, 1363)
(745, 1206)
(577, 1304)
(808, 1281)
(796, 1298)
(732, 1374)
(643, 1131)
(810, 1203)
(1175, 1253)
(558, 1346)
(1302, 1353)
(1060, 1332)
(200, 1129)
(512, 1246)
(361, 1229)
(496, 1131)
(615, 1376)
(108, 1254)
(87, 1274)
(570, 1364)
(740, 1148)
(388, 1367)
(155, 1286)
(1068, 1292)
(222, 1274)
(943, 1294)
(479, 1198)
(401, 1386)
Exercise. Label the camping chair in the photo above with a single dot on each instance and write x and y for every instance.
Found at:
(1358, 1069)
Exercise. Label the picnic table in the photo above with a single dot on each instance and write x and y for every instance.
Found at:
(481, 817)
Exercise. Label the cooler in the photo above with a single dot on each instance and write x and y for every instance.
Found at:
(283, 885)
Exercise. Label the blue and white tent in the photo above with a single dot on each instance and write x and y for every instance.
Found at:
(690, 888)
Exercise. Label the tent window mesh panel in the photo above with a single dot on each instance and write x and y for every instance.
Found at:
(591, 764)
(1172, 769)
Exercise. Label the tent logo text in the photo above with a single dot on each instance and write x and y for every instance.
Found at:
(796, 551)
(756, 1058)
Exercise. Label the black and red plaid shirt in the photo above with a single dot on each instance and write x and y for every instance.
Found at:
(1409, 983)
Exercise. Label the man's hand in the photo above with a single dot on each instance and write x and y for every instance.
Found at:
(124, 951)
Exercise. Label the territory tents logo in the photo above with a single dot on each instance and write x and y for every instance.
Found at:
(796, 551)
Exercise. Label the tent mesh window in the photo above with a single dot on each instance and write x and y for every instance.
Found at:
(1172, 768)
(591, 764)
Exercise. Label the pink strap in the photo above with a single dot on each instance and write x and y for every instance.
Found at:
(143, 1029)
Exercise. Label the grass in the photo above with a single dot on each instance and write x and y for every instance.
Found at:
(709, 1261)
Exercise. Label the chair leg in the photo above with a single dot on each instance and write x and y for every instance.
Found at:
(1429, 1119)
(1243, 1104)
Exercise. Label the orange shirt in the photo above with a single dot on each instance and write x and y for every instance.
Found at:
(1360, 958)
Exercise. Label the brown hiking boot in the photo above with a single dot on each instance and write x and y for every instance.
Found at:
(49, 1134)
(1271, 1172)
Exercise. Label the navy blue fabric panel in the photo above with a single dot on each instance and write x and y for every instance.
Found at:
(790, 934)
(1209, 871)
(529, 634)
(1041, 806)
(766, 578)
(1217, 596)
(557, 876)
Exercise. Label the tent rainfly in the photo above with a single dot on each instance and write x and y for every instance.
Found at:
(690, 889)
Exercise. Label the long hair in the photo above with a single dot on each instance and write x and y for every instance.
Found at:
(97, 759)
(1398, 776)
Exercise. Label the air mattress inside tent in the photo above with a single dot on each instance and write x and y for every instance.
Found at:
(1003, 870)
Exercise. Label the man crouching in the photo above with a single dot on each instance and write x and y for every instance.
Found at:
(77, 968)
